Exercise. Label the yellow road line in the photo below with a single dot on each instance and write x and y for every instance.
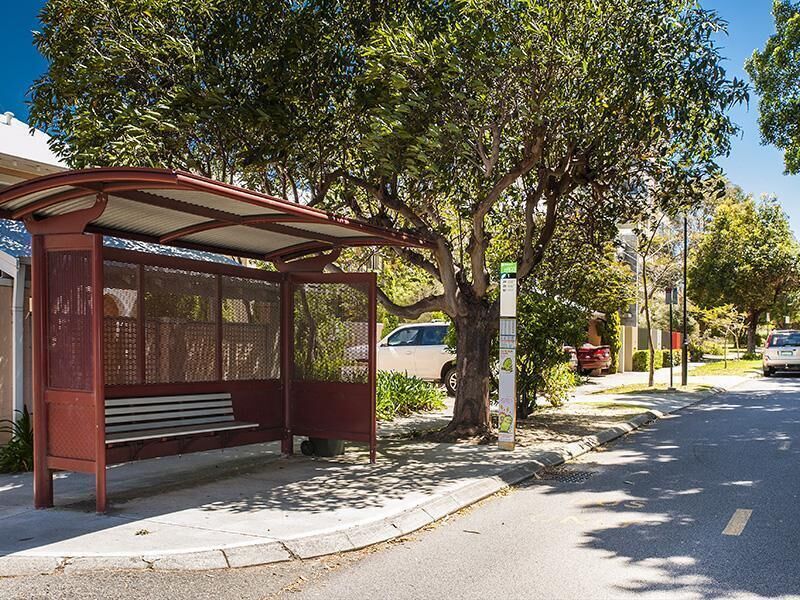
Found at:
(738, 522)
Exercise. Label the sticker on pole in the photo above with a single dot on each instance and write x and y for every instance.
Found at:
(507, 405)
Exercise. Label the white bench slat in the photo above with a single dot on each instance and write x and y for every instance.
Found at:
(163, 416)
(175, 432)
(154, 417)
(155, 408)
(170, 423)
(162, 399)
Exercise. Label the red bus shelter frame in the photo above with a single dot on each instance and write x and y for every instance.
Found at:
(69, 377)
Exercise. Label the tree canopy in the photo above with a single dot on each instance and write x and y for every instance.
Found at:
(776, 74)
(451, 120)
(748, 258)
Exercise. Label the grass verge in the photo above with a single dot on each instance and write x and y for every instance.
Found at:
(643, 388)
(734, 367)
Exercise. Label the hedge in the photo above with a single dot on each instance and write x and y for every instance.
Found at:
(641, 360)
(676, 358)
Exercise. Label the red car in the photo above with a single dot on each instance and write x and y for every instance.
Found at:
(592, 357)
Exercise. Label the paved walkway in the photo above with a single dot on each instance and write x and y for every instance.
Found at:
(249, 506)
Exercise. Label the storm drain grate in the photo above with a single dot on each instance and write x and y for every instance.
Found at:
(563, 475)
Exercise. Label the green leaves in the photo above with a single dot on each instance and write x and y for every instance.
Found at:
(776, 74)
(17, 454)
(399, 395)
(747, 258)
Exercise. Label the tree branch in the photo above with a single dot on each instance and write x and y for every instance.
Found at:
(413, 311)
(478, 243)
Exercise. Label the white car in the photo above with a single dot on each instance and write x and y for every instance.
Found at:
(418, 349)
(782, 352)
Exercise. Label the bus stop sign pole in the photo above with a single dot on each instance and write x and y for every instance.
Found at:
(507, 402)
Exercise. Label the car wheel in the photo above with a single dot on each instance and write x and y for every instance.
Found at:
(451, 381)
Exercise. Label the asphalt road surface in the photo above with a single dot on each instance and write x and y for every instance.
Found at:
(703, 504)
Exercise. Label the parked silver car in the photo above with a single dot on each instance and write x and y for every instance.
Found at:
(782, 352)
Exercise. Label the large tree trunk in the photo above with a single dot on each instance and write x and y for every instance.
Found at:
(473, 349)
(752, 326)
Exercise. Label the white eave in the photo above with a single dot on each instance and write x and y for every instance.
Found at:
(24, 153)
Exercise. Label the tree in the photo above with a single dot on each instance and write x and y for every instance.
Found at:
(449, 120)
(726, 321)
(748, 258)
(776, 74)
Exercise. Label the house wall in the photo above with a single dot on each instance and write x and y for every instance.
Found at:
(593, 333)
(6, 354)
(6, 349)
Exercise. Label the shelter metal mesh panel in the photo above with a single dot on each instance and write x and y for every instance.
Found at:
(180, 325)
(69, 330)
(331, 340)
(120, 312)
(250, 329)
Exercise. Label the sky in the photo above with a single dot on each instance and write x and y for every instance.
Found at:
(757, 169)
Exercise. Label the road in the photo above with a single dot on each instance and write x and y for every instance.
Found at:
(650, 522)
(703, 504)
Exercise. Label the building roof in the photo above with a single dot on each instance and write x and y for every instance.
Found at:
(24, 153)
(184, 210)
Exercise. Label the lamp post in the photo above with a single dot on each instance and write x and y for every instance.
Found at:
(672, 298)
(685, 344)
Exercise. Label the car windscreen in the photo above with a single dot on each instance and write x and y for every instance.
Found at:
(790, 338)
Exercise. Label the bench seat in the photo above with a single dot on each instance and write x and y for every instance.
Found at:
(158, 417)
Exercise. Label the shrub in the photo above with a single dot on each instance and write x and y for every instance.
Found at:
(675, 360)
(751, 356)
(559, 380)
(400, 395)
(641, 360)
(713, 348)
(17, 455)
(695, 352)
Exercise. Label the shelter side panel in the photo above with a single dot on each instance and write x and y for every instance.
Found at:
(331, 410)
(70, 425)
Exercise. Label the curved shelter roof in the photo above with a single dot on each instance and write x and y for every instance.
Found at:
(185, 210)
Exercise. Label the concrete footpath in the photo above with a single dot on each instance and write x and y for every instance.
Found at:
(249, 506)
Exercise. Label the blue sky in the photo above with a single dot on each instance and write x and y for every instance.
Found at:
(756, 168)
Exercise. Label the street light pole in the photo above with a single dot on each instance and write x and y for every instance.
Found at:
(685, 344)
(671, 299)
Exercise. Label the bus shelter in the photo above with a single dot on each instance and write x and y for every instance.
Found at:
(138, 355)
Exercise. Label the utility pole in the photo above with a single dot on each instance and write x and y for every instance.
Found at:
(685, 344)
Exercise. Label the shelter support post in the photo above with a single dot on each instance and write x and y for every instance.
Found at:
(98, 372)
(42, 475)
(372, 335)
(287, 443)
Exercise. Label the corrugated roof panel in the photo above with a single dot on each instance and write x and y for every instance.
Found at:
(66, 207)
(330, 229)
(128, 215)
(245, 238)
(235, 207)
(180, 200)
(16, 242)
(29, 198)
